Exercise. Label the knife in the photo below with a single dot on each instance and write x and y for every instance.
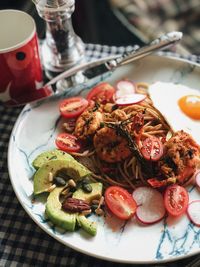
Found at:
(90, 70)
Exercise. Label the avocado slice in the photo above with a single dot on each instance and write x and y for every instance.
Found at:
(87, 225)
(71, 168)
(96, 193)
(50, 155)
(55, 213)
(63, 219)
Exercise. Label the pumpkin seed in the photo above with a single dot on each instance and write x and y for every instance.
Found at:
(59, 181)
(87, 187)
(94, 207)
(86, 180)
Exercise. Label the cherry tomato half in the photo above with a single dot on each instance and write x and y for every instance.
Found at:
(67, 142)
(152, 148)
(120, 202)
(72, 107)
(176, 200)
(101, 93)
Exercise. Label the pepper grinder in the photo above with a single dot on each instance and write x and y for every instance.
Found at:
(62, 49)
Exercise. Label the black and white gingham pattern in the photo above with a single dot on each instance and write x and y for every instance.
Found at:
(22, 242)
(95, 51)
(148, 19)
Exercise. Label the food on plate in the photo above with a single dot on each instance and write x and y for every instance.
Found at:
(69, 199)
(124, 88)
(193, 212)
(130, 99)
(73, 107)
(102, 93)
(137, 140)
(55, 213)
(190, 105)
(120, 202)
(89, 191)
(150, 205)
(180, 158)
(87, 225)
(88, 123)
(45, 175)
(49, 155)
(103, 144)
(133, 149)
(197, 179)
(176, 199)
(152, 148)
(67, 142)
(63, 218)
(168, 98)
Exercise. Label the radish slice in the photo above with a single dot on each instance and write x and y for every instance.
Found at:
(193, 212)
(197, 178)
(124, 88)
(130, 99)
(150, 203)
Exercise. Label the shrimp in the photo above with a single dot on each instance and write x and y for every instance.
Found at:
(119, 115)
(108, 107)
(181, 158)
(110, 146)
(88, 123)
(115, 116)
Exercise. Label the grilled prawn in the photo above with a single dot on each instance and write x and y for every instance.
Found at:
(180, 160)
(181, 157)
(110, 146)
(88, 123)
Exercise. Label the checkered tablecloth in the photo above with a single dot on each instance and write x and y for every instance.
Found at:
(22, 242)
(148, 19)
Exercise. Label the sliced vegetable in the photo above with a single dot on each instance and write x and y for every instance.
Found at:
(151, 208)
(123, 88)
(101, 93)
(152, 148)
(176, 200)
(120, 202)
(67, 142)
(197, 178)
(72, 107)
(155, 183)
(130, 99)
(193, 212)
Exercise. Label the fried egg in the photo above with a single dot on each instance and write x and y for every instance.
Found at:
(179, 105)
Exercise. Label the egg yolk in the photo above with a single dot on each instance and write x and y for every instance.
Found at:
(190, 105)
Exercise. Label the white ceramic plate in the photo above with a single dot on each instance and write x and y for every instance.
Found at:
(35, 131)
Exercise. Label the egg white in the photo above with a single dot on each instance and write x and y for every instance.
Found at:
(165, 98)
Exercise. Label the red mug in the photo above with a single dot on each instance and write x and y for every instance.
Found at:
(21, 76)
